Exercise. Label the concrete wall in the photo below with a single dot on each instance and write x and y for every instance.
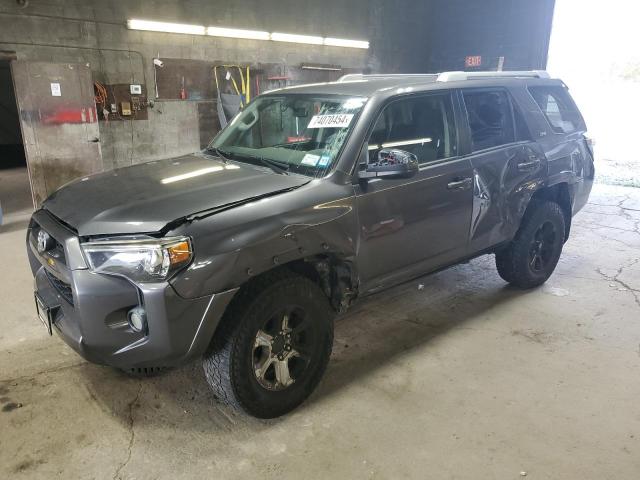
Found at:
(94, 31)
(518, 30)
(405, 36)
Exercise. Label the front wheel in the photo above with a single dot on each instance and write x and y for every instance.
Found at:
(272, 347)
(532, 256)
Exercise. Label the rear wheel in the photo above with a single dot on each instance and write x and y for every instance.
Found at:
(272, 347)
(532, 256)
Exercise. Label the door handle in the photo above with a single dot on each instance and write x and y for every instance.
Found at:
(529, 165)
(94, 140)
(462, 184)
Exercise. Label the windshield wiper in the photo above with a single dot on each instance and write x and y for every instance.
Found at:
(281, 168)
(221, 153)
(277, 167)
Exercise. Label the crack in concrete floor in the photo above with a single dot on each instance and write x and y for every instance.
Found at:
(635, 292)
(132, 434)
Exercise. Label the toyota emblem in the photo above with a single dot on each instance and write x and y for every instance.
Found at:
(44, 240)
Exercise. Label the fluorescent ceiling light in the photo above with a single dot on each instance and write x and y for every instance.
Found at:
(237, 33)
(321, 67)
(150, 25)
(135, 24)
(341, 42)
(289, 37)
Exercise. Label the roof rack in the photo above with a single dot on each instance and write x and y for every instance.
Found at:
(460, 76)
(446, 76)
(381, 76)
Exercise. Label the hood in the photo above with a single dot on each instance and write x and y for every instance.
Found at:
(144, 198)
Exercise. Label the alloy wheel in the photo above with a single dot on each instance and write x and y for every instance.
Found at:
(283, 348)
(542, 247)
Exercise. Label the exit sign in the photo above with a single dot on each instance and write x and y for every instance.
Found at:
(473, 61)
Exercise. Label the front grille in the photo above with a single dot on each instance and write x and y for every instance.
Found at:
(63, 288)
(56, 251)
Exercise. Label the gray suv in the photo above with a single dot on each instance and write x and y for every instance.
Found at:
(312, 197)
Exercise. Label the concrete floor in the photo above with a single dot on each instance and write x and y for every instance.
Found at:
(15, 192)
(464, 379)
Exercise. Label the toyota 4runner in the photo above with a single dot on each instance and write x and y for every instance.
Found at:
(312, 197)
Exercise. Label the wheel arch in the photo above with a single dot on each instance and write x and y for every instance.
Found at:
(560, 193)
(333, 273)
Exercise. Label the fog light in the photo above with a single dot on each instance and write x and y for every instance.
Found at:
(137, 319)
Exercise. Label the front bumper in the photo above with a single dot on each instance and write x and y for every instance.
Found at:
(89, 310)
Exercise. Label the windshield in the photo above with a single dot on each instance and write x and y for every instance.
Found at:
(290, 133)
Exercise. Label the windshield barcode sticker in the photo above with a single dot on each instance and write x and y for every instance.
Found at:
(331, 121)
(310, 160)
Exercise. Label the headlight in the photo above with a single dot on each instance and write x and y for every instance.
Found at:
(147, 260)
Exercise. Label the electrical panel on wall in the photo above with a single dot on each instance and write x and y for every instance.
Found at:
(121, 101)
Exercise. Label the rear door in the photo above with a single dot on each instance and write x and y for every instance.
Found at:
(507, 165)
(411, 226)
(59, 123)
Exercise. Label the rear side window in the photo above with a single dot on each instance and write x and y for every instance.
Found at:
(422, 125)
(490, 118)
(557, 106)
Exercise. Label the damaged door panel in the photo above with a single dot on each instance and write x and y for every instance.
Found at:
(502, 191)
(507, 166)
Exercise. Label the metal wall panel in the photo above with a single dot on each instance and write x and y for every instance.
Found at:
(59, 123)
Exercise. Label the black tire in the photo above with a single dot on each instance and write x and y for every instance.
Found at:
(531, 257)
(234, 365)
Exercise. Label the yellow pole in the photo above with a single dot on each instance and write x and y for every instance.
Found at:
(248, 86)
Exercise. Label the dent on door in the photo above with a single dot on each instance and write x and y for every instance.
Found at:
(503, 184)
(481, 202)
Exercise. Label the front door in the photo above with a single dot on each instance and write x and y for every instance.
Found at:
(415, 225)
(59, 123)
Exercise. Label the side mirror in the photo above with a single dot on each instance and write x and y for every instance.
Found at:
(392, 163)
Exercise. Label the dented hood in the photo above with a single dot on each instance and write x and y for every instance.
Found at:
(145, 198)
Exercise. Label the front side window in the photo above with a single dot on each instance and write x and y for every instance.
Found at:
(421, 125)
(296, 133)
(490, 118)
(557, 106)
